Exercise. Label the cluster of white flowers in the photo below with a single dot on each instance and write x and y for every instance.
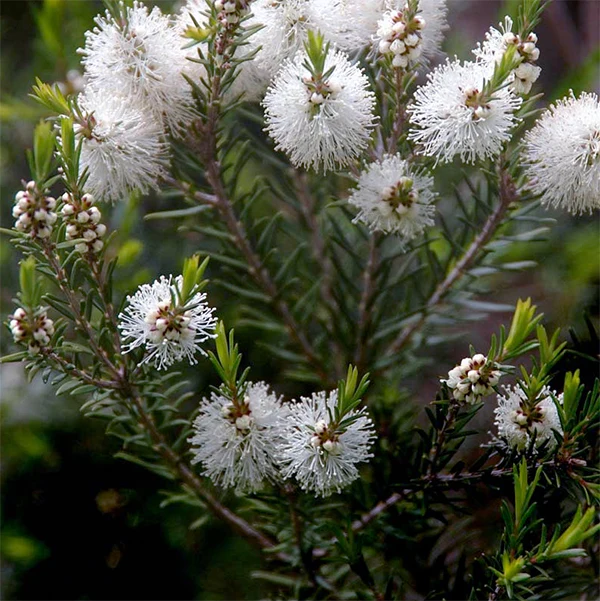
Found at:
(400, 38)
(154, 318)
(453, 116)
(498, 41)
(322, 123)
(392, 198)
(323, 458)
(519, 420)
(562, 154)
(236, 442)
(134, 93)
(34, 211)
(473, 379)
(245, 443)
(34, 329)
(83, 222)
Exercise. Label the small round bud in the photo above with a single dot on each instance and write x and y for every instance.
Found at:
(320, 427)
(400, 61)
(317, 98)
(243, 423)
(412, 39)
(384, 46)
(94, 214)
(398, 28)
(162, 324)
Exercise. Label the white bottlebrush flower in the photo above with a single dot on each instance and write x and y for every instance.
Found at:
(392, 198)
(236, 445)
(562, 154)
(123, 146)
(497, 41)
(451, 117)
(322, 459)
(140, 57)
(473, 379)
(320, 124)
(518, 420)
(153, 318)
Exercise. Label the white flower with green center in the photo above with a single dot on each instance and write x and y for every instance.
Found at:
(236, 442)
(452, 117)
(154, 319)
(520, 420)
(321, 457)
(392, 198)
(326, 123)
(562, 154)
(123, 146)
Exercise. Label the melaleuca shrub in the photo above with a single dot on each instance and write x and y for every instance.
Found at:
(303, 144)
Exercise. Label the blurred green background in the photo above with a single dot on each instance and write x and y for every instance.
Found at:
(78, 524)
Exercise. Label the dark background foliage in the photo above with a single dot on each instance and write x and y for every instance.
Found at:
(78, 524)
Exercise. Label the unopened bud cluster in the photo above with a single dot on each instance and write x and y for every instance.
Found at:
(399, 198)
(240, 416)
(83, 222)
(34, 330)
(473, 379)
(400, 37)
(167, 324)
(527, 72)
(324, 438)
(34, 211)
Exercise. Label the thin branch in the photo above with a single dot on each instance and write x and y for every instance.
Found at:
(257, 269)
(438, 446)
(109, 308)
(368, 292)
(508, 195)
(308, 209)
(70, 369)
(192, 194)
(81, 322)
(399, 113)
